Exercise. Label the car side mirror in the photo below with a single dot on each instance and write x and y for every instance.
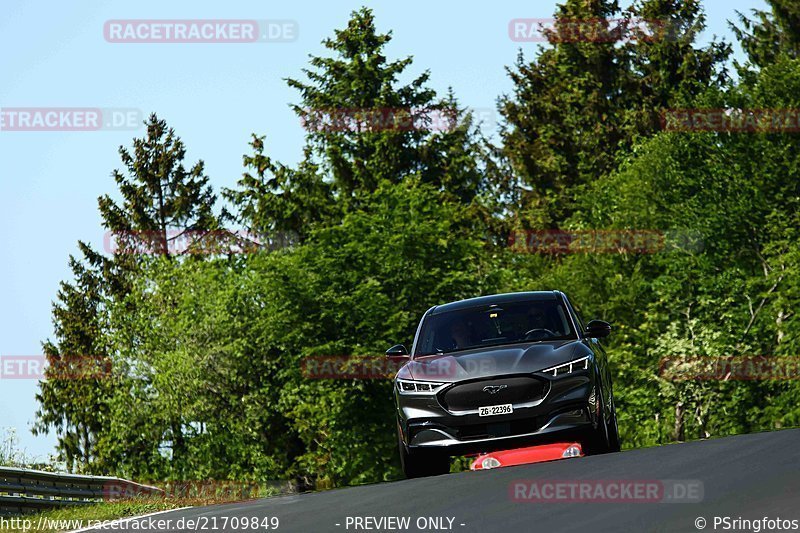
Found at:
(398, 350)
(598, 329)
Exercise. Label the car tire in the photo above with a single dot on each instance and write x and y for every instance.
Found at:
(422, 463)
(597, 440)
(613, 430)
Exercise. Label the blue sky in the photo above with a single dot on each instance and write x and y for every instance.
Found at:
(214, 95)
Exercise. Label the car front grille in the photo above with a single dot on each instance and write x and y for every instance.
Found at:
(514, 390)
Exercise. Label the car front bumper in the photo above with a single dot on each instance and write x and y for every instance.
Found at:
(567, 407)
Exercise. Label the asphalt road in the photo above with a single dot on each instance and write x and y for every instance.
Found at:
(747, 476)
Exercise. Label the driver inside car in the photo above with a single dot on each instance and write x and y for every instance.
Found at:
(460, 335)
(539, 325)
(537, 319)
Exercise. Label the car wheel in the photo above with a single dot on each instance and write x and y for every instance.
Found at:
(597, 439)
(422, 463)
(613, 429)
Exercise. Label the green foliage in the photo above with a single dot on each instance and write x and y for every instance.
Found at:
(158, 192)
(274, 200)
(561, 120)
(73, 401)
(773, 33)
(367, 282)
(581, 104)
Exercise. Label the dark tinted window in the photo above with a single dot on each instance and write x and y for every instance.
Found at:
(494, 325)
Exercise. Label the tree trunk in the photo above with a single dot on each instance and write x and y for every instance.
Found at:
(679, 433)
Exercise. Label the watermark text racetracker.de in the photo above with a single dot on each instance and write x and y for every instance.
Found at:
(180, 241)
(611, 241)
(192, 491)
(606, 490)
(594, 30)
(61, 367)
(729, 368)
(69, 119)
(382, 367)
(348, 367)
(396, 119)
(206, 31)
(731, 120)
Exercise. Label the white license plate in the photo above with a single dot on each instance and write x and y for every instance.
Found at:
(493, 410)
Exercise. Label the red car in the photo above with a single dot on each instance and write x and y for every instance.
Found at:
(524, 456)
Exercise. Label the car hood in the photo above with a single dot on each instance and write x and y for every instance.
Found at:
(492, 361)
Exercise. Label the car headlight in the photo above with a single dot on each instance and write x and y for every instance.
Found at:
(408, 386)
(490, 462)
(572, 451)
(566, 368)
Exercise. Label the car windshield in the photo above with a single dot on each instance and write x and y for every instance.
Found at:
(491, 325)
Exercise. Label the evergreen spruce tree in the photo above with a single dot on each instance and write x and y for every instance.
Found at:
(73, 397)
(363, 129)
(162, 202)
(584, 101)
(771, 33)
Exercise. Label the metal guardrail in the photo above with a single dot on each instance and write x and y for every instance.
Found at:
(26, 491)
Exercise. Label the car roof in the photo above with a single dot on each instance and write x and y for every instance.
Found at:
(494, 299)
